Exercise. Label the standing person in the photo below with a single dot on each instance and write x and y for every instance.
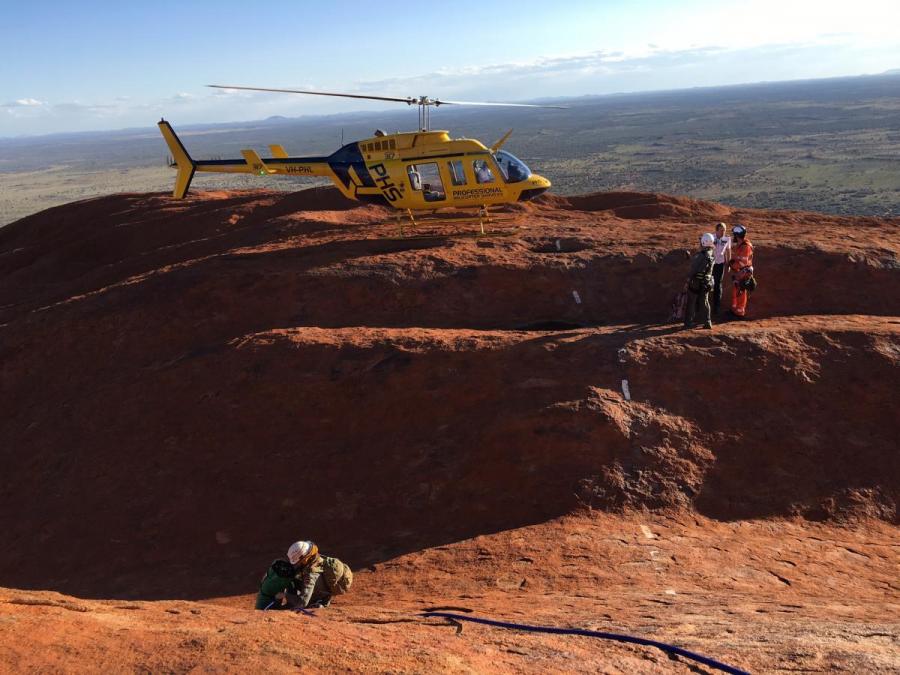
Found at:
(741, 271)
(722, 258)
(700, 282)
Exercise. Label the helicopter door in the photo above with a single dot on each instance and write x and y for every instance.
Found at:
(427, 178)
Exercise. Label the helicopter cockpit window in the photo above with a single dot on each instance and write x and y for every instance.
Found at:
(483, 173)
(514, 169)
(457, 173)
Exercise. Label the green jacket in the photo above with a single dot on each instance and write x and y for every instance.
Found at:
(274, 582)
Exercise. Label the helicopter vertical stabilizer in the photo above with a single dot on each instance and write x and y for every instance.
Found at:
(183, 161)
(254, 161)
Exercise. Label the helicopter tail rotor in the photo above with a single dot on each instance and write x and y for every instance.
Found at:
(186, 165)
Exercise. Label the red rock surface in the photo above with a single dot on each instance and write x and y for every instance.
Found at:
(189, 386)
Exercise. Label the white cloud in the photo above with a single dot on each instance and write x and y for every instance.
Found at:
(235, 93)
(589, 69)
(24, 103)
(79, 107)
(648, 66)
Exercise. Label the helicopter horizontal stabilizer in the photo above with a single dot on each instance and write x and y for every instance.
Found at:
(254, 161)
(183, 161)
(499, 144)
(278, 151)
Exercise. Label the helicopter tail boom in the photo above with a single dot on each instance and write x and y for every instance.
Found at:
(186, 165)
(250, 162)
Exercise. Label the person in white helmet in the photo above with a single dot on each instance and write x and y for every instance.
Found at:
(320, 577)
(305, 579)
(700, 282)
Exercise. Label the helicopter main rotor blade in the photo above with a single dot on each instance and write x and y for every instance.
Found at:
(507, 105)
(408, 101)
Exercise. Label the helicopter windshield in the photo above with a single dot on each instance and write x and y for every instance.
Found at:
(514, 169)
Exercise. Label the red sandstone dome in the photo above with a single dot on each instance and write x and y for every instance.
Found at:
(192, 385)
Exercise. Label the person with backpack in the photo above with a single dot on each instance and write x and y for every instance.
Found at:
(319, 577)
(741, 271)
(700, 282)
(305, 579)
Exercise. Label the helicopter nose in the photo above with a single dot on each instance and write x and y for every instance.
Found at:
(537, 185)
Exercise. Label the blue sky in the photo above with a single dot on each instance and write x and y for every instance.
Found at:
(92, 65)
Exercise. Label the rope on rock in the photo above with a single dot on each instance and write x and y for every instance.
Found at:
(669, 649)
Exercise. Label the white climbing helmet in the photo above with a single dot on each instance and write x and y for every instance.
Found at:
(707, 240)
(301, 552)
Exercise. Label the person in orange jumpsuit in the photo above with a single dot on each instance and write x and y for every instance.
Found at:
(741, 266)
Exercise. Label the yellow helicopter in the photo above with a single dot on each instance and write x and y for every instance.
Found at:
(421, 170)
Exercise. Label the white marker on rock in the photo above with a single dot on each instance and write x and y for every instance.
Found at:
(558, 247)
(626, 392)
(577, 297)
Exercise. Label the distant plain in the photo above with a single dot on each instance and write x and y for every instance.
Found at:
(823, 145)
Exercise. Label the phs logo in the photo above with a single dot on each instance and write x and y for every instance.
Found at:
(383, 179)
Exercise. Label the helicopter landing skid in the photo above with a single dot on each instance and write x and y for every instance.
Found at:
(482, 218)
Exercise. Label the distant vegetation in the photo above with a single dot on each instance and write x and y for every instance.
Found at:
(824, 145)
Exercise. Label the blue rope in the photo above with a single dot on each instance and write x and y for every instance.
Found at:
(671, 649)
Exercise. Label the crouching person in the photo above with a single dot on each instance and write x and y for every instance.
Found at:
(319, 577)
(305, 579)
(278, 583)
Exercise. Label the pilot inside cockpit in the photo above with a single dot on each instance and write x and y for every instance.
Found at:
(514, 169)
